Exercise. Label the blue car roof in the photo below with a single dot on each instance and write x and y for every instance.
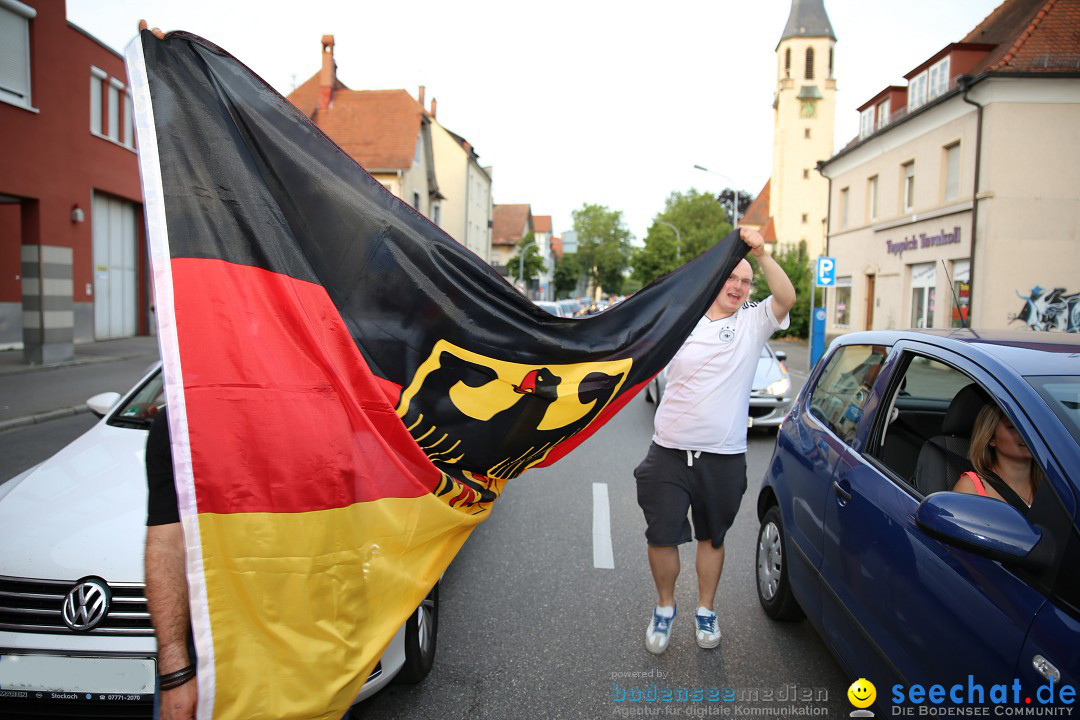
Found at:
(1025, 351)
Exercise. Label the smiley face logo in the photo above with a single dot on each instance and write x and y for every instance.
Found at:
(862, 693)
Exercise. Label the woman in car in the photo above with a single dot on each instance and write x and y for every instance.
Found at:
(1004, 468)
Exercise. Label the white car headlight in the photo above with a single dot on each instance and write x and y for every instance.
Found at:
(779, 387)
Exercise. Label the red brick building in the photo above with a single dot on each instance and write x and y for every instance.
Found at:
(72, 249)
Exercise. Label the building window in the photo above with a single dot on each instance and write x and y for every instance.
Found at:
(809, 63)
(916, 91)
(843, 208)
(805, 174)
(908, 179)
(952, 171)
(923, 292)
(866, 122)
(806, 133)
(830, 62)
(115, 88)
(416, 200)
(787, 63)
(842, 308)
(883, 111)
(436, 215)
(129, 121)
(804, 217)
(416, 152)
(939, 78)
(15, 52)
(97, 77)
(871, 198)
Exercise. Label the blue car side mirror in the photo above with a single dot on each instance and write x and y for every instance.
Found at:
(983, 525)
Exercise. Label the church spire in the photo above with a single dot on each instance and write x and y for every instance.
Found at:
(808, 19)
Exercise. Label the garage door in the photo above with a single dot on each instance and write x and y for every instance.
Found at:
(114, 268)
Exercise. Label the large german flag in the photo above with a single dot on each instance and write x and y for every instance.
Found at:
(349, 388)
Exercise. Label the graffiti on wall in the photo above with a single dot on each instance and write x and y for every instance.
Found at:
(1050, 310)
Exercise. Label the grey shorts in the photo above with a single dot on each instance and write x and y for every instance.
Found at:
(711, 489)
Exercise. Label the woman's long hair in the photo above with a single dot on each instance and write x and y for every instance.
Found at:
(984, 455)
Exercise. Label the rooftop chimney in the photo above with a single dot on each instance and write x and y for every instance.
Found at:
(433, 107)
(328, 74)
(420, 96)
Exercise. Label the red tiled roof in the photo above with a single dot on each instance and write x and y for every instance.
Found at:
(1031, 36)
(556, 247)
(507, 222)
(377, 128)
(758, 212)
(1050, 42)
(542, 223)
(769, 233)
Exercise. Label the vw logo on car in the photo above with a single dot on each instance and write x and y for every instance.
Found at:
(87, 604)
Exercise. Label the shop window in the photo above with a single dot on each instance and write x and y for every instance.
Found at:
(923, 295)
(842, 307)
(961, 299)
(15, 20)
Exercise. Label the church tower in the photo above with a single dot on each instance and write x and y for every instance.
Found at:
(804, 111)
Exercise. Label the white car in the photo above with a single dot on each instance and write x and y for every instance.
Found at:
(75, 634)
(770, 396)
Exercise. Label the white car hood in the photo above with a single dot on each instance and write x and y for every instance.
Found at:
(81, 512)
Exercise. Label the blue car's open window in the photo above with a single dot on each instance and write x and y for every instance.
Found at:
(1062, 394)
(838, 397)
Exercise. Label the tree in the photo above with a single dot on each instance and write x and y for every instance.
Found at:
(567, 274)
(603, 246)
(796, 263)
(533, 263)
(701, 222)
(727, 198)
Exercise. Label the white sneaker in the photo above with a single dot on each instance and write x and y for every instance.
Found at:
(659, 632)
(708, 634)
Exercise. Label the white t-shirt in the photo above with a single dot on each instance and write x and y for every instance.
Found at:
(706, 404)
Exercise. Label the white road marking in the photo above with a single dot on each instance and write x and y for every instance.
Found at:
(602, 555)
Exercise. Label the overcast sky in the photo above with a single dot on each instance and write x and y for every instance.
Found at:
(572, 102)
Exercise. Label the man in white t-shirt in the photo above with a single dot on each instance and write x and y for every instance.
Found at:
(697, 459)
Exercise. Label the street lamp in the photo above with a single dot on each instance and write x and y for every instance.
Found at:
(678, 237)
(734, 192)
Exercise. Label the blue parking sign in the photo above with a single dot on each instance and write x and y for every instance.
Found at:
(826, 272)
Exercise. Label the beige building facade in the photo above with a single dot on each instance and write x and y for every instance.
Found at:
(466, 208)
(964, 202)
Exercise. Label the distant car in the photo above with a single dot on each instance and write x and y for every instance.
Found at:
(909, 583)
(550, 307)
(770, 395)
(75, 634)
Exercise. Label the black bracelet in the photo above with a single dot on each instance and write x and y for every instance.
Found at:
(176, 679)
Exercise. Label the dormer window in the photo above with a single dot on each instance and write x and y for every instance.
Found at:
(939, 78)
(883, 111)
(866, 122)
(917, 91)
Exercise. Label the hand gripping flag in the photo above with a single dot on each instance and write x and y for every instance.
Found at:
(349, 388)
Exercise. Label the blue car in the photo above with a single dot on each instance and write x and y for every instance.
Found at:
(934, 596)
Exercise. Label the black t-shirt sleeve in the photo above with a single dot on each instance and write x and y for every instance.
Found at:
(161, 505)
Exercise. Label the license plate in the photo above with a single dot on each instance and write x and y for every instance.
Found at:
(65, 674)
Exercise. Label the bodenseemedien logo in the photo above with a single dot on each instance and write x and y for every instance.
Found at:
(862, 694)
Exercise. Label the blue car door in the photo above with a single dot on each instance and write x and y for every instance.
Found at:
(901, 606)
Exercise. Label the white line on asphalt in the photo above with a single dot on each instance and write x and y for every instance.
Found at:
(602, 555)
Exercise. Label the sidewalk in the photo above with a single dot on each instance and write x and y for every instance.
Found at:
(32, 393)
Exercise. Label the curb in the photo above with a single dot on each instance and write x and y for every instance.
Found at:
(42, 417)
